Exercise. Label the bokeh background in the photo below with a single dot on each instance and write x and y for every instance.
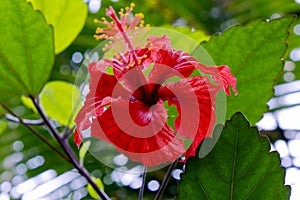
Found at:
(30, 170)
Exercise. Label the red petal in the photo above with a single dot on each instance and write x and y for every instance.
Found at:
(77, 138)
(157, 43)
(221, 75)
(169, 62)
(185, 64)
(140, 132)
(102, 87)
(194, 99)
(134, 81)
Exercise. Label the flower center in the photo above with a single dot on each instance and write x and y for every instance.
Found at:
(147, 94)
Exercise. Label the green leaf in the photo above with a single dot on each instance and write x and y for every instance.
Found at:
(2, 111)
(26, 50)
(28, 103)
(83, 150)
(91, 190)
(61, 101)
(239, 167)
(67, 18)
(197, 35)
(253, 53)
(3, 126)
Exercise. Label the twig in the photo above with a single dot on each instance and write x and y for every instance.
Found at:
(13, 118)
(165, 181)
(142, 188)
(45, 140)
(68, 133)
(66, 147)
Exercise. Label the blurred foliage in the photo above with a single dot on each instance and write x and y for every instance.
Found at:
(51, 100)
(67, 19)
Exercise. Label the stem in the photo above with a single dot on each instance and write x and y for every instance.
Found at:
(68, 133)
(16, 119)
(27, 125)
(165, 181)
(142, 188)
(66, 147)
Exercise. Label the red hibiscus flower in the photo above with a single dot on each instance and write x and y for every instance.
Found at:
(126, 108)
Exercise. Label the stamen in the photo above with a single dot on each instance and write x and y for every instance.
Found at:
(121, 25)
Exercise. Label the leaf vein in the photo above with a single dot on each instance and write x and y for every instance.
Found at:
(234, 164)
(198, 181)
(9, 65)
(29, 56)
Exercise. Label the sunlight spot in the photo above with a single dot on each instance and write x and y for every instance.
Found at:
(120, 160)
(296, 161)
(292, 176)
(97, 173)
(11, 160)
(127, 179)
(286, 162)
(136, 183)
(6, 176)
(4, 196)
(78, 183)
(94, 6)
(21, 169)
(35, 162)
(77, 57)
(107, 180)
(289, 66)
(289, 76)
(26, 186)
(288, 118)
(50, 186)
(79, 194)
(282, 148)
(18, 179)
(287, 88)
(176, 173)
(268, 122)
(275, 15)
(5, 186)
(290, 99)
(295, 54)
(59, 193)
(290, 134)
(295, 194)
(18, 145)
(297, 29)
(294, 147)
(153, 185)
(65, 69)
(180, 22)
